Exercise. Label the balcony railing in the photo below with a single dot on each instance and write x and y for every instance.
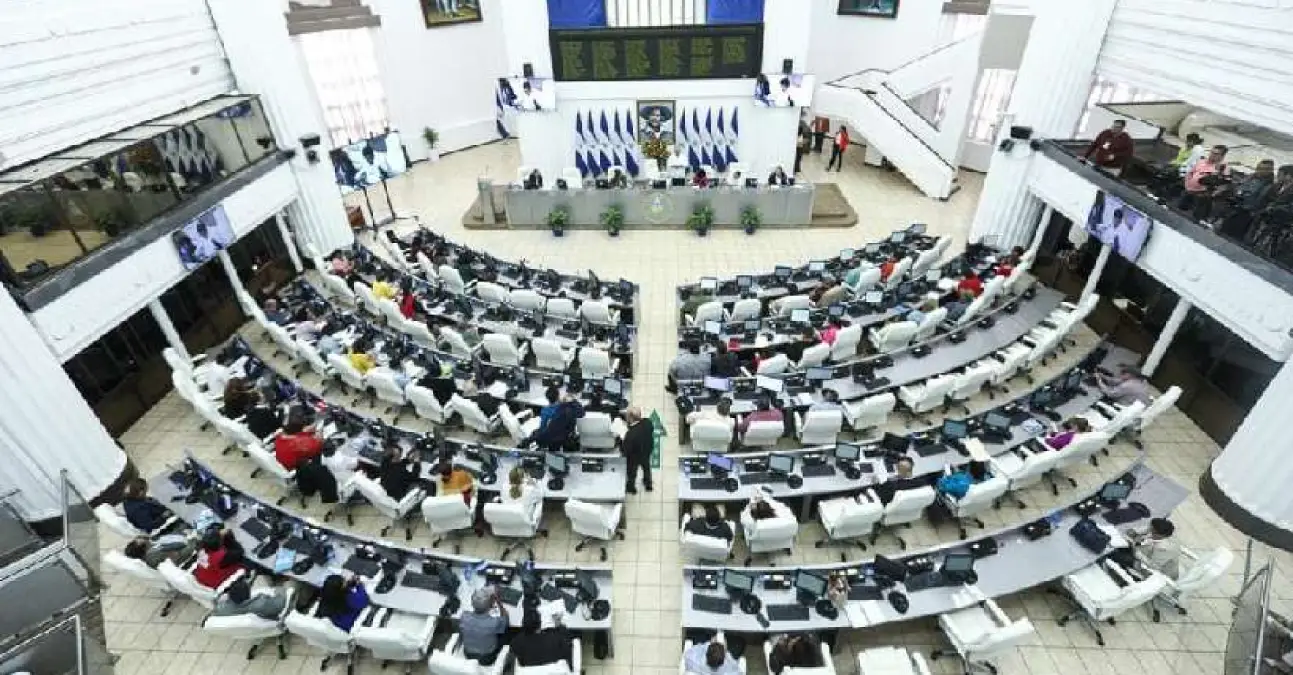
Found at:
(60, 209)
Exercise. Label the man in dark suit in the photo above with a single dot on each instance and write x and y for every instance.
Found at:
(900, 480)
(637, 444)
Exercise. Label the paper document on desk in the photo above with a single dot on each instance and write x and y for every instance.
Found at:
(497, 390)
(804, 399)
(1032, 427)
(863, 613)
(975, 447)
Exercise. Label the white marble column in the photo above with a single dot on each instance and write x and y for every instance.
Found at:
(46, 427)
(1050, 94)
(1179, 312)
(1253, 472)
(1096, 271)
(168, 328)
(290, 241)
(265, 61)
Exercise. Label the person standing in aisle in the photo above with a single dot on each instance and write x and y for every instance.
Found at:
(837, 151)
(636, 446)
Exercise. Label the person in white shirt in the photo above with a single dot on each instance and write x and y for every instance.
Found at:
(526, 100)
(341, 462)
(522, 488)
(710, 658)
(719, 413)
(763, 507)
(782, 99)
(205, 243)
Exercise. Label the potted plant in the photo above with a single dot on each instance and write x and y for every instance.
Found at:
(701, 219)
(557, 220)
(432, 138)
(613, 220)
(751, 219)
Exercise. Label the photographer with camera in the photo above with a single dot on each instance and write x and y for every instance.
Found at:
(1203, 181)
(1241, 201)
(1275, 220)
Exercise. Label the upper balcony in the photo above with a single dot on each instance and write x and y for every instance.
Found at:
(68, 216)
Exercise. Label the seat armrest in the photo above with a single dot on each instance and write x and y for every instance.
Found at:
(412, 500)
(222, 588)
(918, 662)
(746, 372)
(524, 414)
(451, 647)
(1116, 570)
(799, 422)
(614, 515)
(615, 366)
(428, 632)
(577, 653)
(995, 611)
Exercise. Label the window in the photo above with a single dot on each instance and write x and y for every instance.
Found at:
(990, 101)
(633, 13)
(1108, 91)
(348, 82)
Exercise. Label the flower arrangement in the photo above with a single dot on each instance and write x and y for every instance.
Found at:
(657, 149)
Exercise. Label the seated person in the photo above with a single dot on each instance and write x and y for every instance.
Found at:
(439, 380)
(408, 299)
(600, 405)
(970, 286)
(917, 314)
(710, 523)
(176, 548)
(522, 488)
(735, 178)
(560, 430)
(692, 299)
(341, 462)
(808, 337)
(342, 600)
(454, 481)
(1125, 388)
(832, 292)
(854, 275)
(342, 267)
(710, 658)
(1153, 546)
(778, 177)
(239, 397)
(830, 401)
(482, 628)
(263, 419)
(221, 557)
(1008, 264)
(619, 180)
(1203, 180)
(833, 327)
(537, 646)
(886, 267)
(797, 650)
(398, 474)
(534, 181)
(690, 364)
(308, 326)
(383, 288)
(143, 512)
(957, 484)
(723, 363)
(238, 599)
(361, 355)
(547, 412)
(900, 479)
(1070, 428)
(763, 507)
(763, 412)
(276, 314)
(483, 399)
(722, 412)
(297, 444)
(700, 179)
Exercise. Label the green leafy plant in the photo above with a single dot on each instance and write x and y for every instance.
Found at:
(558, 218)
(701, 219)
(431, 136)
(751, 219)
(613, 220)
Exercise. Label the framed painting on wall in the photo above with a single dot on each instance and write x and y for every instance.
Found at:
(448, 12)
(656, 120)
(885, 9)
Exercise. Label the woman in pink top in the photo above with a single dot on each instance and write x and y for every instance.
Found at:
(1071, 427)
(831, 330)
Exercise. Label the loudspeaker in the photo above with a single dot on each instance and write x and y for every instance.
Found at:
(788, 66)
(1021, 133)
(527, 69)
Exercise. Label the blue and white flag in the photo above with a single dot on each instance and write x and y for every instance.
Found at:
(590, 159)
(606, 131)
(695, 127)
(631, 164)
(722, 133)
(592, 129)
(736, 130)
(617, 138)
(579, 131)
(579, 163)
(693, 160)
(709, 126)
(629, 136)
(705, 159)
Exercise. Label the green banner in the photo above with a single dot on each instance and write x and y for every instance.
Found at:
(657, 438)
(662, 53)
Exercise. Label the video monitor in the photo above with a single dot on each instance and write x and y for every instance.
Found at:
(781, 463)
(873, 297)
(818, 374)
(848, 452)
(890, 568)
(835, 311)
(847, 254)
(708, 284)
(1112, 222)
(713, 328)
(368, 162)
(800, 316)
(613, 385)
(955, 429)
(719, 384)
(737, 581)
(905, 289)
(555, 462)
(995, 420)
(817, 266)
(894, 443)
(810, 583)
(784, 90)
(719, 461)
(897, 237)
(917, 229)
(752, 325)
(1042, 398)
(782, 272)
(769, 384)
(1115, 492)
(202, 238)
(958, 563)
(933, 276)
(1073, 381)
(527, 94)
(744, 281)
(872, 249)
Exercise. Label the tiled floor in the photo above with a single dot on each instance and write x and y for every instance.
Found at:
(647, 578)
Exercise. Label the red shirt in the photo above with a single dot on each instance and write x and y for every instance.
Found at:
(292, 449)
(842, 138)
(971, 285)
(209, 571)
(1111, 149)
(886, 269)
(407, 305)
(1004, 269)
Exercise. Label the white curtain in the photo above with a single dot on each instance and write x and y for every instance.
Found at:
(348, 82)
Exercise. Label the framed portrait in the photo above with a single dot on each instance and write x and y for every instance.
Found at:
(448, 12)
(885, 9)
(656, 119)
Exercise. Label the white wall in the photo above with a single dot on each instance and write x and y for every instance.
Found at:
(767, 135)
(847, 44)
(1230, 56)
(89, 310)
(444, 77)
(1249, 306)
(787, 34)
(74, 70)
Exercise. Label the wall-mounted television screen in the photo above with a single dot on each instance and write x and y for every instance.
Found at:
(201, 238)
(779, 90)
(366, 163)
(528, 94)
(1114, 223)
